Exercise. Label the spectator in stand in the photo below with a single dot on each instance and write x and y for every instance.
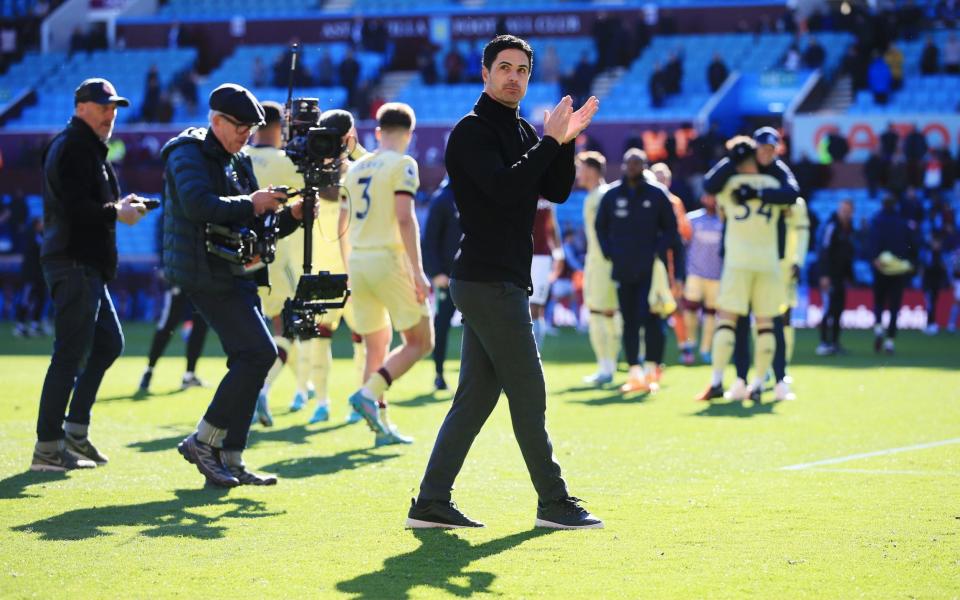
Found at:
(164, 108)
(911, 208)
(549, 66)
(326, 70)
(349, 72)
(673, 74)
(894, 59)
(259, 73)
(187, 85)
(951, 54)
(935, 278)
(874, 171)
(151, 96)
(427, 66)
(894, 256)
(836, 269)
(915, 151)
(880, 79)
(930, 58)
(582, 79)
(814, 56)
(792, 60)
(657, 86)
(717, 72)
(453, 66)
(837, 147)
(889, 142)
(855, 64)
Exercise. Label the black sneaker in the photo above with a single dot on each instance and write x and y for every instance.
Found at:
(439, 384)
(565, 513)
(714, 391)
(145, 382)
(207, 460)
(82, 448)
(433, 514)
(756, 394)
(58, 461)
(246, 477)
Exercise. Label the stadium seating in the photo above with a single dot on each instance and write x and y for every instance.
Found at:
(126, 69)
(920, 93)
(28, 72)
(12, 9)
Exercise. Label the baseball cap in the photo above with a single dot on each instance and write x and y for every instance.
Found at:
(237, 101)
(98, 90)
(766, 135)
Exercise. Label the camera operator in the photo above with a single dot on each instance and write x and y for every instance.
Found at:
(210, 181)
(81, 207)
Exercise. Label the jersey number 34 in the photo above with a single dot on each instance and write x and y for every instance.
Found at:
(765, 210)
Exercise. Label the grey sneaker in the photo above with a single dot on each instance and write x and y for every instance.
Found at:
(58, 461)
(82, 448)
(246, 477)
(207, 460)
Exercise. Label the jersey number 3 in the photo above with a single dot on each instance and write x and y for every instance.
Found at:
(765, 209)
(365, 182)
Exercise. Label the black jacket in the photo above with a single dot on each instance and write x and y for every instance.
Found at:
(80, 191)
(889, 232)
(498, 169)
(441, 235)
(787, 193)
(204, 184)
(837, 251)
(633, 225)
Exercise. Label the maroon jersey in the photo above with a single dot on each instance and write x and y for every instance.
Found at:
(543, 233)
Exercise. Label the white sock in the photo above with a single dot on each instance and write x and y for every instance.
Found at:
(717, 377)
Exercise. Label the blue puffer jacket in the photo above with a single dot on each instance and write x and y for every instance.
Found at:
(203, 184)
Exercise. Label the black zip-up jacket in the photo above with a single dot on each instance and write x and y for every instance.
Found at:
(837, 251)
(498, 169)
(634, 224)
(203, 184)
(441, 236)
(80, 191)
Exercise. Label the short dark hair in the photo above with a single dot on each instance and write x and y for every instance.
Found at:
(594, 160)
(505, 42)
(272, 112)
(396, 115)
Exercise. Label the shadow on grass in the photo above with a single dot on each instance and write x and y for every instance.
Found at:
(616, 398)
(439, 563)
(295, 434)
(138, 395)
(15, 485)
(162, 518)
(423, 400)
(348, 460)
(736, 409)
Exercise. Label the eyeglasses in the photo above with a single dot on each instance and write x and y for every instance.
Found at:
(242, 128)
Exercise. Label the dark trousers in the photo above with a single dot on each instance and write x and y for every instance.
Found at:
(441, 327)
(931, 289)
(176, 309)
(655, 338)
(237, 318)
(87, 339)
(888, 293)
(830, 325)
(635, 310)
(499, 353)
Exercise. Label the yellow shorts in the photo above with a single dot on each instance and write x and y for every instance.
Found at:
(382, 292)
(701, 290)
(599, 291)
(742, 290)
(790, 287)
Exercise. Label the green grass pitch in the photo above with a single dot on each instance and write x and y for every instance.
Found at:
(695, 498)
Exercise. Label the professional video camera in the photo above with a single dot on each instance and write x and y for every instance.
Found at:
(247, 249)
(317, 153)
(315, 150)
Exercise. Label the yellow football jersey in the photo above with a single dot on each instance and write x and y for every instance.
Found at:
(750, 241)
(798, 233)
(368, 193)
(591, 204)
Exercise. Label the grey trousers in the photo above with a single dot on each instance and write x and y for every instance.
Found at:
(499, 353)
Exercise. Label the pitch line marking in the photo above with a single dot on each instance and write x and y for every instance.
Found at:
(833, 461)
(882, 472)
